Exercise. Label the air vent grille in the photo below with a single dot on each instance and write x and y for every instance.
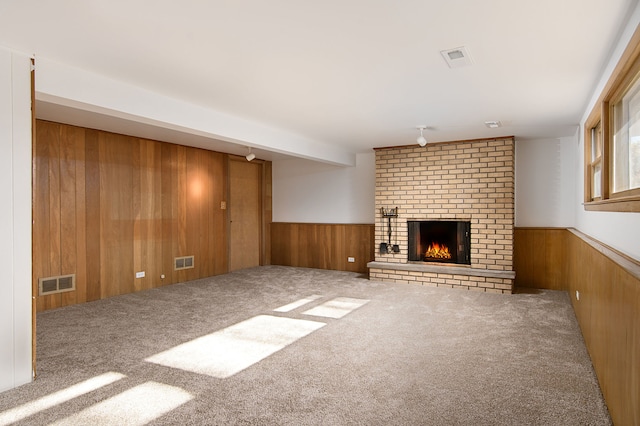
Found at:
(66, 283)
(184, 262)
(59, 284)
(458, 57)
(49, 286)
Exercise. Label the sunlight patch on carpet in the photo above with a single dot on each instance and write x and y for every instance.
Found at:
(229, 351)
(30, 408)
(336, 308)
(136, 406)
(297, 303)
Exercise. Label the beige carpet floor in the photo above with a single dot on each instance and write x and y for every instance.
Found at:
(277, 345)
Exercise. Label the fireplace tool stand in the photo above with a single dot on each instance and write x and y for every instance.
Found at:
(387, 247)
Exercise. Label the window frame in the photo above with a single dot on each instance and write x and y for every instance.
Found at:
(591, 162)
(626, 72)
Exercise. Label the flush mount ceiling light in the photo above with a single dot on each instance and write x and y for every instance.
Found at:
(421, 140)
(250, 156)
(492, 124)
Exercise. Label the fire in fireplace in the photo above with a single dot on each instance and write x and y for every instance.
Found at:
(437, 251)
(444, 241)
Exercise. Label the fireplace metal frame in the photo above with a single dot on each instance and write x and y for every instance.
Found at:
(463, 235)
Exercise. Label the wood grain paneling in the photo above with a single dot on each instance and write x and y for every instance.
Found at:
(322, 246)
(53, 228)
(608, 309)
(116, 215)
(107, 206)
(267, 216)
(81, 216)
(92, 208)
(539, 257)
(40, 208)
(609, 315)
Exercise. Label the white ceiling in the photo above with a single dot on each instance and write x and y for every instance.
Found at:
(353, 73)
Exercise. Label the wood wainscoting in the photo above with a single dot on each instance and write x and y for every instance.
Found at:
(608, 308)
(539, 257)
(107, 206)
(323, 246)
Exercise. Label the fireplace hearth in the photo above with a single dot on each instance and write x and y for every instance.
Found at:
(440, 241)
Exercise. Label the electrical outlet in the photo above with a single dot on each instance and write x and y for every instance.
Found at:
(162, 277)
(140, 274)
(351, 259)
(223, 205)
(577, 295)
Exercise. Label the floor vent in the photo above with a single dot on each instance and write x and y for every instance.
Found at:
(59, 284)
(185, 262)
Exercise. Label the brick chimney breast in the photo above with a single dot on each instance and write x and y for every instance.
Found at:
(462, 181)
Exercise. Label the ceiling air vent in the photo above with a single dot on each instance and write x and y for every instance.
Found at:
(59, 284)
(185, 262)
(458, 57)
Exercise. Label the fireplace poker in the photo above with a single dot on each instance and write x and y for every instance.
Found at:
(396, 248)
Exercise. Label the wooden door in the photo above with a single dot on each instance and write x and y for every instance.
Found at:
(245, 214)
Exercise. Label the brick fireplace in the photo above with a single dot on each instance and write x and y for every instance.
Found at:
(469, 182)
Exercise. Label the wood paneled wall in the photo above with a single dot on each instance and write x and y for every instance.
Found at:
(107, 206)
(609, 315)
(608, 310)
(539, 257)
(322, 246)
(267, 209)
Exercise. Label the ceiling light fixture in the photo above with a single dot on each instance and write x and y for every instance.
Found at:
(250, 156)
(421, 140)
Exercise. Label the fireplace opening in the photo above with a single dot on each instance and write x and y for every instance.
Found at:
(441, 241)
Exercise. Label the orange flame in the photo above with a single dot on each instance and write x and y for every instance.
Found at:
(437, 251)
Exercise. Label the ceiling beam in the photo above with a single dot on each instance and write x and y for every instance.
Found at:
(75, 88)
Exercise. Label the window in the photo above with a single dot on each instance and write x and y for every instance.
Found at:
(626, 141)
(612, 139)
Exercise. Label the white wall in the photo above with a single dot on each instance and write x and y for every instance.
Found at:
(546, 182)
(550, 179)
(15, 220)
(312, 192)
(618, 230)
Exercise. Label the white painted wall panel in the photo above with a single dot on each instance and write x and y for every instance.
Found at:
(22, 217)
(15, 220)
(6, 283)
(311, 192)
(545, 182)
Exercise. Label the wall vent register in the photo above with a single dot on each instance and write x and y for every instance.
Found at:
(184, 262)
(58, 284)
